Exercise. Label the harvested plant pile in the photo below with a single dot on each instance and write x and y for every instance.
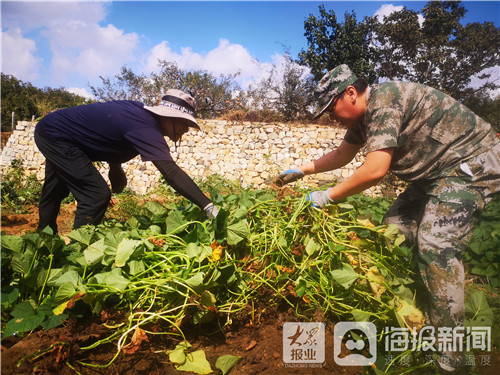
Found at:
(168, 265)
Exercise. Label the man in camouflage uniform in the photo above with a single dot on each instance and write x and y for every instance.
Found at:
(450, 157)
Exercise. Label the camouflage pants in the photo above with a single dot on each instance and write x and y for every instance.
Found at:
(437, 217)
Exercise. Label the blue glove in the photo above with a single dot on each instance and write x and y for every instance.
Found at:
(288, 176)
(319, 198)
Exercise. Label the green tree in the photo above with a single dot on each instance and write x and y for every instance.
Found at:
(439, 51)
(214, 95)
(50, 99)
(17, 97)
(485, 107)
(331, 43)
(287, 90)
(123, 86)
(27, 100)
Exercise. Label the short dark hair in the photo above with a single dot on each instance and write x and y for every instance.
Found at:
(360, 85)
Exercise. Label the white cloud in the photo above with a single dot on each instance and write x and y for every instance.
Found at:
(386, 9)
(226, 58)
(18, 56)
(78, 44)
(35, 15)
(89, 49)
(494, 78)
(81, 92)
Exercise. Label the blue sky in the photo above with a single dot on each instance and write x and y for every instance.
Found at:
(70, 44)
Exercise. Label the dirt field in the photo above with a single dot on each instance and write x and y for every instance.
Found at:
(258, 342)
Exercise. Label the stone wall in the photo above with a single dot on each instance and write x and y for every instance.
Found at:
(246, 152)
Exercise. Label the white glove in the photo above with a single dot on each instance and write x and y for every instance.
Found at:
(211, 211)
(319, 198)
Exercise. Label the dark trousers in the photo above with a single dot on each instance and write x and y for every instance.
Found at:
(69, 169)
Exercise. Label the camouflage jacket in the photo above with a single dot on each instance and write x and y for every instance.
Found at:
(431, 132)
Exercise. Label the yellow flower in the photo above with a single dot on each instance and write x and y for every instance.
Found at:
(217, 251)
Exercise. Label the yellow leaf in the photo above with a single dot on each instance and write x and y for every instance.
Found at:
(376, 281)
(60, 309)
(408, 315)
(352, 260)
(367, 223)
(68, 304)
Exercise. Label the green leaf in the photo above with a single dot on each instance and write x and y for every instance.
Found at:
(220, 225)
(132, 222)
(14, 243)
(112, 279)
(174, 221)
(226, 275)
(177, 356)
(125, 249)
(196, 362)
(9, 296)
(64, 293)
(478, 270)
(95, 252)
(312, 247)
(237, 232)
(70, 276)
(154, 229)
(154, 208)
(136, 267)
(22, 261)
(492, 270)
(203, 316)
(52, 242)
(53, 321)
(282, 242)
(478, 312)
(196, 281)
(82, 235)
(346, 206)
(391, 232)
(345, 276)
(208, 299)
(193, 251)
(476, 247)
(54, 275)
(25, 319)
(25, 324)
(23, 310)
(226, 362)
(403, 292)
(240, 213)
(360, 315)
(300, 286)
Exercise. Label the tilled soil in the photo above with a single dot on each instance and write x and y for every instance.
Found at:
(259, 343)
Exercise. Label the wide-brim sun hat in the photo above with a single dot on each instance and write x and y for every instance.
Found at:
(177, 104)
(331, 85)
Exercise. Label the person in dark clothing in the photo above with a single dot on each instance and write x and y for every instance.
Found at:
(71, 139)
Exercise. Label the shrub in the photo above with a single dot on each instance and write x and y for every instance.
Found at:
(19, 189)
